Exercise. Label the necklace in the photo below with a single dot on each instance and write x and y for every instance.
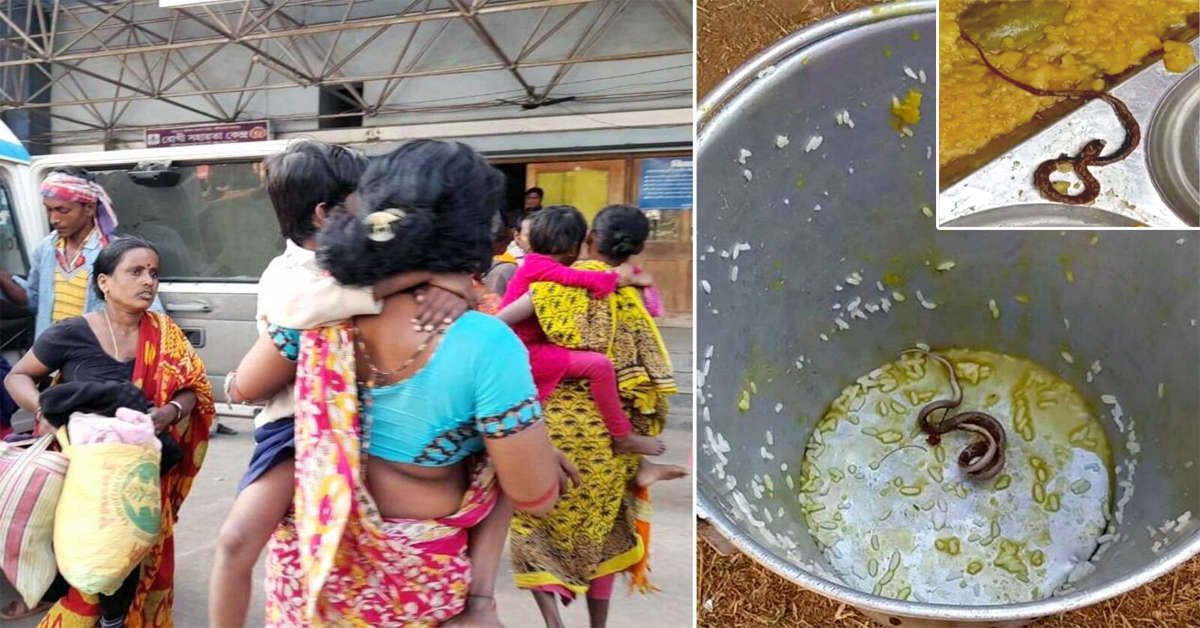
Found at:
(380, 377)
(113, 335)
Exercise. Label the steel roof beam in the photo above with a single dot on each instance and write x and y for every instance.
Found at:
(584, 45)
(193, 80)
(296, 74)
(315, 29)
(402, 75)
(639, 96)
(482, 33)
(101, 77)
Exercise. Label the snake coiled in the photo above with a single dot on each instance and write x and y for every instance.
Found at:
(982, 459)
(1090, 155)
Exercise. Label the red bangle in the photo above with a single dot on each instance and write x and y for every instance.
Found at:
(539, 501)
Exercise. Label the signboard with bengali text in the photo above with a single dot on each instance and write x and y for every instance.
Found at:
(231, 133)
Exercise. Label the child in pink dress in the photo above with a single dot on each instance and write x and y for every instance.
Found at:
(555, 238)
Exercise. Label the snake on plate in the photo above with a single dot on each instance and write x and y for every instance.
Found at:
(982, 459)
(1090, 155)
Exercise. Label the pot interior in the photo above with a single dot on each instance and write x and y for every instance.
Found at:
(802, 222)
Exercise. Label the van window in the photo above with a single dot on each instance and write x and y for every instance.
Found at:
(215, 224)
(12, 254)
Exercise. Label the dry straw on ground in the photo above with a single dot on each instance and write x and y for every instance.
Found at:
(730, 31)
(744, 595)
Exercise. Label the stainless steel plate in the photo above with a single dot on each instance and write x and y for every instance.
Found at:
(1173, 147)
(1044, 215)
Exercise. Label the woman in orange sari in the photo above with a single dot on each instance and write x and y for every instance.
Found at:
(127, 343)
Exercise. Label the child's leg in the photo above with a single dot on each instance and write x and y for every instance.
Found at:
(255, 514)
(485, 544)
(650, 472)
(598, 370)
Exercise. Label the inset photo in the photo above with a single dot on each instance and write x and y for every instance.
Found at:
(1068, 114)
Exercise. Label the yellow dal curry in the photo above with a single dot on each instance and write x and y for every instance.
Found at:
(1094, 38)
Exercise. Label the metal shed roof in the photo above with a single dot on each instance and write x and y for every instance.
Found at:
(114, 67)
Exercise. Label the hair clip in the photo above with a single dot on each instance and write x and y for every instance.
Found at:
(381, 223)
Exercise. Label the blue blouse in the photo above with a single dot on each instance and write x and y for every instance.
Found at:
(476, 385)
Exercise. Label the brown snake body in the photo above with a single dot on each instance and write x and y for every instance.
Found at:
(982, 459)
(1090, 155)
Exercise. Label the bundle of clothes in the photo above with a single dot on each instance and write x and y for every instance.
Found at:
(108, 412)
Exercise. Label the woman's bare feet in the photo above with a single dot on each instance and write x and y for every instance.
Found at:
(650, 472)
(637, 444)
(479, 613)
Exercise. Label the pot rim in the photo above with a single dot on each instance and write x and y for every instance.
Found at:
(1006, 612)
(709, 108)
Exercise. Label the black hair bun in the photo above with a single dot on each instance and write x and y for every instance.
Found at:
(621, 231)
(425, 206)
(352, 247)
(624, 244)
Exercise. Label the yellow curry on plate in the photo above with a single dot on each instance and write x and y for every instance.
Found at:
(1049, 44)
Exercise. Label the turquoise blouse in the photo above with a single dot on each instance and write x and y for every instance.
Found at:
(476, 385)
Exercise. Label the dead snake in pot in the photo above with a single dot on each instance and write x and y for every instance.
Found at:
(1090, 155)
(982, 459)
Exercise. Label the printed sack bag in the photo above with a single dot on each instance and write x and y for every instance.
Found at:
(109, 514)
(31, 479)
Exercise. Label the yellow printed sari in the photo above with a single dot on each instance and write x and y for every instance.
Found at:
(603, 527)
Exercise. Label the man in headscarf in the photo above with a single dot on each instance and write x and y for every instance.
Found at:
(82, 220)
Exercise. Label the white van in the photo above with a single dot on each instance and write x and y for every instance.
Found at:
(16, 325)
(205, 209)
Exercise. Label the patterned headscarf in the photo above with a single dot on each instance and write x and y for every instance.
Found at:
(73, 189)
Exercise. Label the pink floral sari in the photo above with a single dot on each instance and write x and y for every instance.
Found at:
(337, 562)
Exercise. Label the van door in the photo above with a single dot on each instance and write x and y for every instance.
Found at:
(215, 230)
(17, 220)
(16, 323)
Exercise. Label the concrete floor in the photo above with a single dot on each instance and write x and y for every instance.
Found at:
(672, 564)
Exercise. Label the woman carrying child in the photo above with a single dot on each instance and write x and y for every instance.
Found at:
(556, 236)
(388, 493)
(603, 528)
(307, 183)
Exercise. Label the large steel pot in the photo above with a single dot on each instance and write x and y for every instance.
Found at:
(1130, 299)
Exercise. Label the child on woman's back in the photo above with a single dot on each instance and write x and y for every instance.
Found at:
(556, 236)
(307, 183)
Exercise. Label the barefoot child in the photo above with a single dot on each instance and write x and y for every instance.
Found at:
(307, 183)
(556, 236)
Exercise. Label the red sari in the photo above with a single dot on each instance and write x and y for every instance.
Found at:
(166, 364)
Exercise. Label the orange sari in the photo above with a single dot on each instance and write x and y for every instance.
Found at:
(166, 364)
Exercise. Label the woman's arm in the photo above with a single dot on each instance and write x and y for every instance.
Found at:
(21, 383)
(516, 311)
(527, 466)
(509, 418)
(168, 415)
(261, 373)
